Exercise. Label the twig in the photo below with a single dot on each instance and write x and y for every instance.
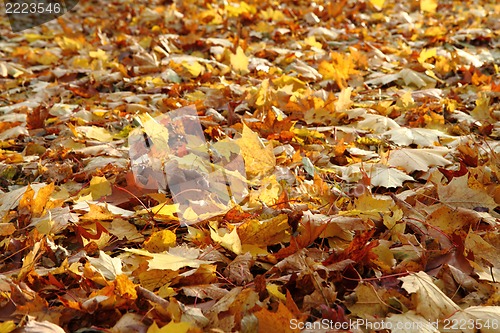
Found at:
(149, 295)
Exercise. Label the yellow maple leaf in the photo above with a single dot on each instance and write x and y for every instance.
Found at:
(125, 287)
(428, 6)
(378, 4)
(339, 69)
(100, 187)
(7, 229)
(239, 61)
(194, 68)
(171, 327)
(259, 160)
(267, 232)
(166, 210)
(228, 240)
(160, 241)
(41, 200)
(7, 326)
(156, 132)
(99, 54)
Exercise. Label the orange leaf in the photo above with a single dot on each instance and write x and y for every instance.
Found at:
(277, 322)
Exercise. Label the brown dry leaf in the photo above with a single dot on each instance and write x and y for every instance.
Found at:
(7, 229)
(458, 194)
(486, 263)
(450, 219)
(369, 302)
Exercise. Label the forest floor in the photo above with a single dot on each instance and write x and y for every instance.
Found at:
(357, 141)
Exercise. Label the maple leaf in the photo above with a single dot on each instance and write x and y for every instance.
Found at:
(417, 159)
(431, 302)
(458, 194)
(359, 249)
(109, 267)
(336, 127)
(172, 260)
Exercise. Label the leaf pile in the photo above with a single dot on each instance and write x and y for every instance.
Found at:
(369, 131)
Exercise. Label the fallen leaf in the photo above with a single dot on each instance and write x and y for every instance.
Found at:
(109, 267)
(431, 302)
(239, 61)
(170, 261)
(458, 194)
(417, 159)
(259, 160)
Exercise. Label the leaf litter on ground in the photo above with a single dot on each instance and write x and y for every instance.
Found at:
(369, 134)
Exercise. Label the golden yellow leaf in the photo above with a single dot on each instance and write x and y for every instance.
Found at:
(482, 110)
(228, 240)
(428, 6)
(7, 326)
(100, 187)
(97, 212)
(266, 232)
(125, 287)
(426, 54)
(267, 193)
(34, 37)
(171, 327)
(99, 54)
(368, 206)
(47, 58)
(165, 210)
(194, 68)
(156, 132)
(239, 61)
(71, 44)
(160, 241)
(42, 198)
(7, 229)
(26, 201)
(96, 133)
(271, 14)
(340, 69)
(378, 4)
(259, 160)
(241, 7)
(311, 41)
(273, 291)
(170, 261)
(263, 93)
